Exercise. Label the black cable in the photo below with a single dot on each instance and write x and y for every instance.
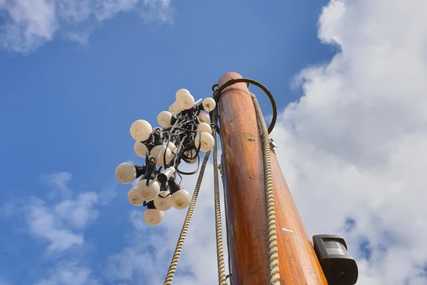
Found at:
(191, 172)
(218, 91)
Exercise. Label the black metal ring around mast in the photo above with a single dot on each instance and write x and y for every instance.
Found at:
(217, 92)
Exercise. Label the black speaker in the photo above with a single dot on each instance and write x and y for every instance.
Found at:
(338, 266)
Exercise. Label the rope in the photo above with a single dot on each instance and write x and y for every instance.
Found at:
(273, 250)
(218, 221)
(186, 225)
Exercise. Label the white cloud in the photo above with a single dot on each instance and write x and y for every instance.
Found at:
(74, 11)
(69, 274)
(46, 225)
(108, 8)
(353, 149)
(78, 212)
(29, 24)
(59, 183)
(355, 143)
(61, 224)
(157, 9)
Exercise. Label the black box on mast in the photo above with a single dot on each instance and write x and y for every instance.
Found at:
(339, 267)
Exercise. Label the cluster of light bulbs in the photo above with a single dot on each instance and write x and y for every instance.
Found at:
(184, 131)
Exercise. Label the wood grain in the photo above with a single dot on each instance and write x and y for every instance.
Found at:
(245, 200)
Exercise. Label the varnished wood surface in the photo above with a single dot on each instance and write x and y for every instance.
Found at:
(244, 194)
(298, 261)
(243, 172)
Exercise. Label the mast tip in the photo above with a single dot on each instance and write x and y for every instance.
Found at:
(232, 75)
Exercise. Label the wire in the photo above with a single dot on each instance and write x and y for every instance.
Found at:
(182, 133)
(186, 225)
(218, 92)
(218, 218)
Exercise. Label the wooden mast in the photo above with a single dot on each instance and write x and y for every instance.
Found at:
(245, 202)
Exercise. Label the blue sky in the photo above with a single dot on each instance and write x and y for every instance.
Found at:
(75, 74)
(72, 102)
(66, 107)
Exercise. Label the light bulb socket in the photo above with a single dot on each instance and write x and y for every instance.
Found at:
(198, 106)
(167, 173)
(157, 137)
(150, 168)
(149, 140)
(163, 186)
(140, 170)
(186, 112)
(173, 186)
(149, 205)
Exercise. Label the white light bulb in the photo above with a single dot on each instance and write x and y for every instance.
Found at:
(155, 151)
(140, 149)
(125, 172)
(163, 203)
(204, 117)
(184, 99)
(204, 127)
(150, 191)
(209, 104)
(140, 130)
(174, 108)
(135, 197)
(205, 140)
(164, 119)
(162, 153)
(181, 199)
(153, 216)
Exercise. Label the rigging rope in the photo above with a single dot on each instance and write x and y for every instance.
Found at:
(273, 250)
(218, 216)
(186, 225)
